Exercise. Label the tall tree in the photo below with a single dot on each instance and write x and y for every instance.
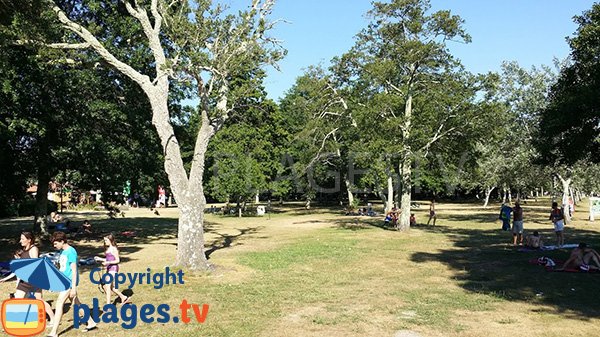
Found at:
(403, 54)
(194, 42)
(319, 108)
(58, 131)
(570, 125)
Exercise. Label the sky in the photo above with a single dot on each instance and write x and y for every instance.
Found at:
(531, 32)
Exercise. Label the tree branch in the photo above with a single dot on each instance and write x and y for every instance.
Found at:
(84, 45)
(84, 34)
(317, 156)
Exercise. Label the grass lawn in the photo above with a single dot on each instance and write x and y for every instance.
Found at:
(319, 273)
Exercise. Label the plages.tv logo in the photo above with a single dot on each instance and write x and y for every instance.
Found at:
(23, 317)
(128, 315)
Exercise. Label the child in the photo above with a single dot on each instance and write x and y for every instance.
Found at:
(558, 219)
(111, 262)
(413, 220)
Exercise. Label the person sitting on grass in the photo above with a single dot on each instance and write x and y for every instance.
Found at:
(413, 220)
(582, 258)
(534, 240)
(86, 227)
(55, 217)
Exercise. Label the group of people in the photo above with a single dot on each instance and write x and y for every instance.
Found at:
(582, 257)
(68, 265)
(556, 216)
(392, 216)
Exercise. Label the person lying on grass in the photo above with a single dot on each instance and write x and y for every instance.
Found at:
(582, 258)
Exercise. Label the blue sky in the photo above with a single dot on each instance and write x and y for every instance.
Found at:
(531, 32)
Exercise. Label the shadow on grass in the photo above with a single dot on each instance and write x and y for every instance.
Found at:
(482, 265)
(227, 240)
(132, 232)
(356, 223)
(481, 217)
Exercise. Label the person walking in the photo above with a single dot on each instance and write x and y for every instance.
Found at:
(111, 263)
(68, 266)
(432, 214)
(24, 289)
(505, 212)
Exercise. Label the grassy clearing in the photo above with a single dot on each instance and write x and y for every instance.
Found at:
(319, 273)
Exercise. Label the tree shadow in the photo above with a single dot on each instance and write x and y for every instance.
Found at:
(128, 231)
(226, 240)
(356, 223)
(484, 262)
(481, 217)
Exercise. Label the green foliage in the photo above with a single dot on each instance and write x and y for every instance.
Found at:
(570, 126)
(65, 115)
(244, 158)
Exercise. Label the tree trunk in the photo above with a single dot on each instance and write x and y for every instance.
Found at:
(488, 192)
(405, 168)
(189, 192)
(40, 224)
(405, 199)
(390, 195)
(257, 197)
(190, 233)
(349, 190)
(565, 197)
(509, 192)
(571, 195)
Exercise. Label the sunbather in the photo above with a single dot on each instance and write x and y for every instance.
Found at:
(583, 258)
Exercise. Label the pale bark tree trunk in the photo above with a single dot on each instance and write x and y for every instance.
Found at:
(488, 192)
(189, 192)
(509, 192)
(349, 190)
(257, 197)
(390, 195)
(405, 199)
(565, 197)
(347, 182)
(405, 168)
(40, 224)
(571, 195)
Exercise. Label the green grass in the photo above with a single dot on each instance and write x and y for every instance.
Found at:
(322, 274)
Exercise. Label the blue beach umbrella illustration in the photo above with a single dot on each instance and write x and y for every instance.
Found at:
(41, 273)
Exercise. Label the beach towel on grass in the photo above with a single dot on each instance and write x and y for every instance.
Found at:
(546, 248)
(551, 265)
(567, 246)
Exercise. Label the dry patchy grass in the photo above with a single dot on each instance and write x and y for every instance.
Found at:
(319, 273)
